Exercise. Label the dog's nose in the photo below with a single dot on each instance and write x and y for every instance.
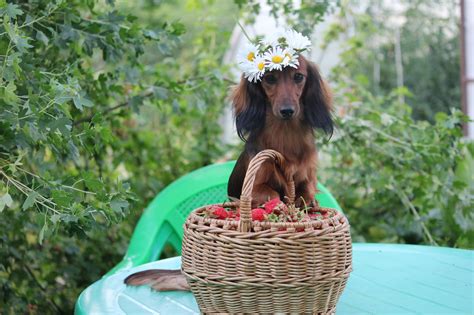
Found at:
(286, 113)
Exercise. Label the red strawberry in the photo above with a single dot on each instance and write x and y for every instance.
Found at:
(271, 204)
(220, 212)
(235, 215)
(258, 214)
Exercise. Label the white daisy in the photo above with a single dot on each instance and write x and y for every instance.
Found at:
(291, 58)
(275, 58)
(297, 41)
(248, 53)
(254, 70)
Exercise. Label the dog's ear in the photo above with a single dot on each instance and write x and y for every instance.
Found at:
(317, 101)
(248, 100)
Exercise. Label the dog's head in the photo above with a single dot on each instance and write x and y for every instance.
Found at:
(291, 94)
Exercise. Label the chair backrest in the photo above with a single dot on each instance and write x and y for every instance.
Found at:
(162, 221)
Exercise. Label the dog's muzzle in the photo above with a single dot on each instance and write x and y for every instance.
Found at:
(287, 113)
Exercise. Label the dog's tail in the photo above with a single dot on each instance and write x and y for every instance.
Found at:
(159, 280)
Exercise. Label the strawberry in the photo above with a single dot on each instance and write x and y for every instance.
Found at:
(220, 212)
(271, 205)
(258, 214)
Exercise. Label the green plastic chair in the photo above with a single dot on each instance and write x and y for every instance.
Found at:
(162, 222)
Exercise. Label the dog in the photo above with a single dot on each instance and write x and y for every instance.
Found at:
(280, 112)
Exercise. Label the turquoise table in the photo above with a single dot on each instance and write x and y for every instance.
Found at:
(387, 279)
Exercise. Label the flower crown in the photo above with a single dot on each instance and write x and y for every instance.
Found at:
(273, 52)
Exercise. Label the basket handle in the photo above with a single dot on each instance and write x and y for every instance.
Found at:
(246, 196)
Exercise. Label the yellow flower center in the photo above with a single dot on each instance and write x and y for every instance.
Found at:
(288, 55)
(261, 65)
(277, 59)
(250, 56)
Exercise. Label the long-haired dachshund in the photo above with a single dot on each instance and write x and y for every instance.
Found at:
(281, 113)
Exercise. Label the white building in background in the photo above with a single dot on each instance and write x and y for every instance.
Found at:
(467, 74)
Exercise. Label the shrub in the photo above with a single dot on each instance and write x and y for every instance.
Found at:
(401, 180)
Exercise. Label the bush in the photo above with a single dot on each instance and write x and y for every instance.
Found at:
(400, 180)
(95, 107)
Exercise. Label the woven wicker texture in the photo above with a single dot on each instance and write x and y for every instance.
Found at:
(263, 267)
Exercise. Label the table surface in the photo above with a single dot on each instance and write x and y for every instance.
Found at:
(387, 279)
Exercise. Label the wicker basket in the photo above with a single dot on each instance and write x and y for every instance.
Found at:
(254, 267)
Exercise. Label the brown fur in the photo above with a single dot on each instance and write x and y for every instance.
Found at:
(293, 137)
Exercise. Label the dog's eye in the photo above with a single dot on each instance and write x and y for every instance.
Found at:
(270, 79)
(298, 78)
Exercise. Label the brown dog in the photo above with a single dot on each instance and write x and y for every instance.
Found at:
(281, 113)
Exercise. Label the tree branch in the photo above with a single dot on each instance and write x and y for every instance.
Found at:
(145, 95)
(108, 110)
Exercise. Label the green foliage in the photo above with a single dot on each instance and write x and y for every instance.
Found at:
(429, 47)
(396, 178)
(99, 111)
(61, 68)
(51, 142)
